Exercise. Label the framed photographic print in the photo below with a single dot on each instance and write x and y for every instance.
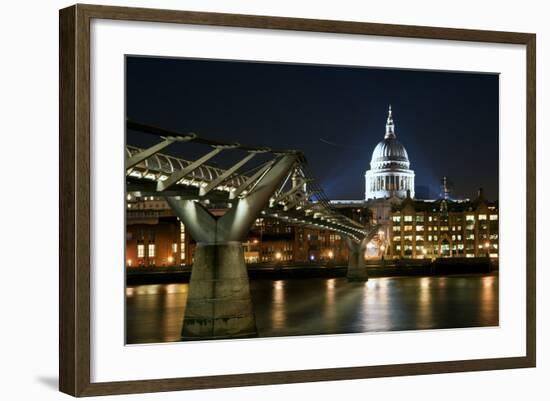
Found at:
(251, 200)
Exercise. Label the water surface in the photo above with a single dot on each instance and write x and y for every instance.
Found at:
(329, 306)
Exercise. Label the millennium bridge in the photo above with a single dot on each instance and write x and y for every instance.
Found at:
(264, 181)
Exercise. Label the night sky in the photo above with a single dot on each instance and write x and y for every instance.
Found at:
(448, 122)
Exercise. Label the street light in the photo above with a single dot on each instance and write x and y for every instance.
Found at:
(278, 255)
(330, 254)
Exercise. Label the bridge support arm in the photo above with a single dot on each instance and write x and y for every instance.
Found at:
(235, 224)
(178, 175)
(226, 175)
(252, 180)
(197, 220)
(147, 153)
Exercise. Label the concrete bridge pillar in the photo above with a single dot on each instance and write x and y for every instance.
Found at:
(218, 301)
(357, 269)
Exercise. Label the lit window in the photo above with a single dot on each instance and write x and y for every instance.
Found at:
(419, 218)
(408, 218)
(396, 219)
(174, 247)
(470, 217)
(151, 250)
(408, 228)
(419, 228)
(397, 238)
(141, 250)
(470, 236)
(493, 217)
(420, 238)
(482, 217)
(430, 237)
(182, 243)
(396, 228)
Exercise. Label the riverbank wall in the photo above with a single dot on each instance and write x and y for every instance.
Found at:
(391, 268)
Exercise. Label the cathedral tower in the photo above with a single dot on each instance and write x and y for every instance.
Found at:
(389, 175)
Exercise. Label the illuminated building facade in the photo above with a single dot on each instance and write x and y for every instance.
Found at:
(156, 238)
(154, 235)
(444, 228)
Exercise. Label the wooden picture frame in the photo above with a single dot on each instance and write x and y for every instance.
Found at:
(74, 119)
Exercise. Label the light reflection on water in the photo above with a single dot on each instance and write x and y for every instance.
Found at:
(329, 306)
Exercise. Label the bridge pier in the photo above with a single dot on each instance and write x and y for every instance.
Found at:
(357, 269)
(219, 303)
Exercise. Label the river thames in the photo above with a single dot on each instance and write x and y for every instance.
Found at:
(291, 307)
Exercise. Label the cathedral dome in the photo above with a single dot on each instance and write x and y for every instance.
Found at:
(389, 175)
(389, 153)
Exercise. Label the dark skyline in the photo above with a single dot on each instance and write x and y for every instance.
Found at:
(448, 122)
